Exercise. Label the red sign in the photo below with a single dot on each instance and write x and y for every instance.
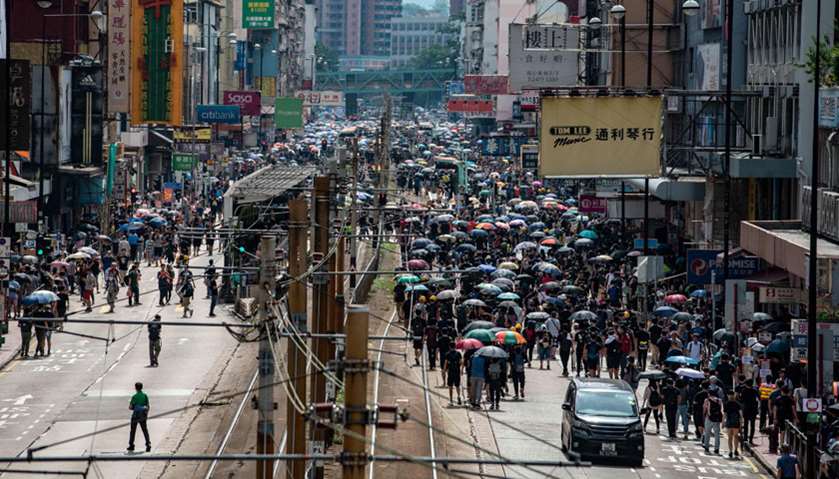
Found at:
(592, 204)
(472, 107)
(248, 101)
(485, 84)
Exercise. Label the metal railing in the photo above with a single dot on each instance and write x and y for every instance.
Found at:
(799, 445)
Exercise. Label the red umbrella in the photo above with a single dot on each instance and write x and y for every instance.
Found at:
(486, 226)
(468, 343)
(549, 242)
(417, 264)
(675, 299)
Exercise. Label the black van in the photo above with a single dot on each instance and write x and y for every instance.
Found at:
(600, 419)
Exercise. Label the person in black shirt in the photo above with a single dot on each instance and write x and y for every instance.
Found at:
(733, 420)
(154, 340)
(663, 346)
(655, 334)
(750, 399)
(670, 396)
(643, 338)
(565, 344)
(452, 364)
(444, 344)
(698, 413)
(725, 372)
(784, 409)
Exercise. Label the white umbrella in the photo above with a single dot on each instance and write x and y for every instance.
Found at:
(690, 373)
(78, 255)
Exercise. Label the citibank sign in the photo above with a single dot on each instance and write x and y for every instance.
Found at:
(218, 114)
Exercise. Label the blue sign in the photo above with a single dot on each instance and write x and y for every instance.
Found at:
(173, 185)
(702, 262)
(502, 145)
(218, 114)
(454, 87)
(638, 243)
(241, 56)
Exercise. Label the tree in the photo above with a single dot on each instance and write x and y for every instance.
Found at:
(327, 58)
(436, 56)
(829, 63)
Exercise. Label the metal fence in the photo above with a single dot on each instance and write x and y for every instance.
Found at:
(799, 446)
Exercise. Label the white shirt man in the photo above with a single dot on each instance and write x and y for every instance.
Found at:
(695, 348)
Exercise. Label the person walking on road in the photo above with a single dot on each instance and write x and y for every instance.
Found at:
(477, 376)
(452, 364)
(112, 286)
(713, 410)
(670, 397)
(186, 290)
(154, 340)
(518, 359)
(496, 379)
(133, 280)
(212, 288)
(209, 275)
(164, 284)
(733, 420)
(749, 398)
(139, 407)
(652, 405)
(25, 326)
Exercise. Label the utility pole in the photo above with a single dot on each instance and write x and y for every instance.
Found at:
(384, 165)
(297, 259)
(355, 380)
(265, 424)
(320, 318)
(354, 216)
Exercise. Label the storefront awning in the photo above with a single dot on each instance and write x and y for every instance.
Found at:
(783, 244)
(690, 188)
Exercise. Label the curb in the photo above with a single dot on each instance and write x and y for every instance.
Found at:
(769, 468)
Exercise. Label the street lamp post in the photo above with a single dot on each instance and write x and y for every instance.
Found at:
(97, 17)
(619, 12)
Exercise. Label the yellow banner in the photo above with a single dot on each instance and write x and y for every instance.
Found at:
(267, 86)
(600, 136)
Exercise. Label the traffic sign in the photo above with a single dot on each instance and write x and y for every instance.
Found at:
(812, 405)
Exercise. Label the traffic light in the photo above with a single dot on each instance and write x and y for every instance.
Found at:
(241, 249)
(40, 246)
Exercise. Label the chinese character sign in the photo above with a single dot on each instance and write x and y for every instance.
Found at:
(16, 128)
(119, 55)
(543, 56)
(600, 136)
(258, 14)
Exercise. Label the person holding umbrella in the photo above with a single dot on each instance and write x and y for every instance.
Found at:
(496, 378)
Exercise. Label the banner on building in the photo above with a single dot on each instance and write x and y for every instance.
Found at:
(183, 161)
(86, 114)
(229, 114)
(708, 66)
(505, 145)
(267, 85)
(21, 211)
(829, 108)
(288, 112)
(455, 87)
(249, 102)
(485, 84)
(530, 158)
(321, 98)
(471, 107)
(257, 14)
(157, 34)
(600, 136)
(119, 55)
(704, 268)
(241, 56)
(17, 127)
(187, 135)
(543, 56)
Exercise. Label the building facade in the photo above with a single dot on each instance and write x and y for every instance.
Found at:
(410, 36)
(356, 28)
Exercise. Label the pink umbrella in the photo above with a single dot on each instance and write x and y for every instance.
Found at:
(675, 299)
(417, 264)
(468, 343)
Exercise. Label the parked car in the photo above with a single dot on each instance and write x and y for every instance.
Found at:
(601, 419)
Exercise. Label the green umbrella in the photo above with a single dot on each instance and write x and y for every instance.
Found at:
(481, 335)
(485, 192)
(588, 234)
(407, 278)
(416, 288)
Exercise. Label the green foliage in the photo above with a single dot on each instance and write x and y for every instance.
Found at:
(384, 283)
(327, 59)
(437, 56)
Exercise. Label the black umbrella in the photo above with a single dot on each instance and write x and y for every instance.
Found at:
(478, 325)
(583, 315)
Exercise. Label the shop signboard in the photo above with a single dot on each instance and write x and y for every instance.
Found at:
(485, 84)
(471, 107)
(119, 55)
(229, 114)
(606, 131)
(529, 158)
(829, 108)
(16, 128)
(592, 204)
(183, 161)
(502, 145)
(249, 102)
(288, 113)
(771, 295)
(321, 98)
(543, 56)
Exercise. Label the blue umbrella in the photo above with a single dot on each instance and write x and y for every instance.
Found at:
(487, 268)
(131, 227)
(508, 297)
(478, 233)
(14, 284)
(682, 360)
(665, 311)
(699, 293)
(489, 289)
(158, 222)
(417, 288)
(40, 297)
(778, 346)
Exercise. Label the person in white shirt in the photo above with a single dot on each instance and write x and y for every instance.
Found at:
(695, 348)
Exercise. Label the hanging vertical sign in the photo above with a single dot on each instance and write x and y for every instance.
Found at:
(119, 53)
(16, 128)
(257, 14)
(86, 114)
(157, 33)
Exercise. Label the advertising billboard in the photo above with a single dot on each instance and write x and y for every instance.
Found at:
(702, 263)
(592, 204)
(257, 14)
(157, 36)
(183, 161)
(543, 56)
(829, 108)
(288, 112)
(86, 114)
(249, 102)
(471, 107)
(708, 66)
(595, 137)
(119, 55)
(485, 84)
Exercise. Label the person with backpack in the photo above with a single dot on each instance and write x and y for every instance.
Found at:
(496, 379)
(186, 292)
(652, 404)
(713, 411)
(132, 280)
(518, 359)
(613, 355)
(698, 406)
(631, 374)
(592, 356)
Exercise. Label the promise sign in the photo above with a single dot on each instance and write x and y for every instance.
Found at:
(593, 137)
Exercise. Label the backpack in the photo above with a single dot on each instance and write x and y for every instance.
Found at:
(714, 409)
(655, 398)
(495, 371)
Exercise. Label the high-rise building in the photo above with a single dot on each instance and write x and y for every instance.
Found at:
(411, 35)
(357, 27)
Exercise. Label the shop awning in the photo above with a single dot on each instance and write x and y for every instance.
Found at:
(81, 170)
(783, 244)
(690, 188)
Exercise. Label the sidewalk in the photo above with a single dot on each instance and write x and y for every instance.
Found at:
(761, 454)
(10, 349)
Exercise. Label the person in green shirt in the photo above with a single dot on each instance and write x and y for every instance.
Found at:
(139, 407)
